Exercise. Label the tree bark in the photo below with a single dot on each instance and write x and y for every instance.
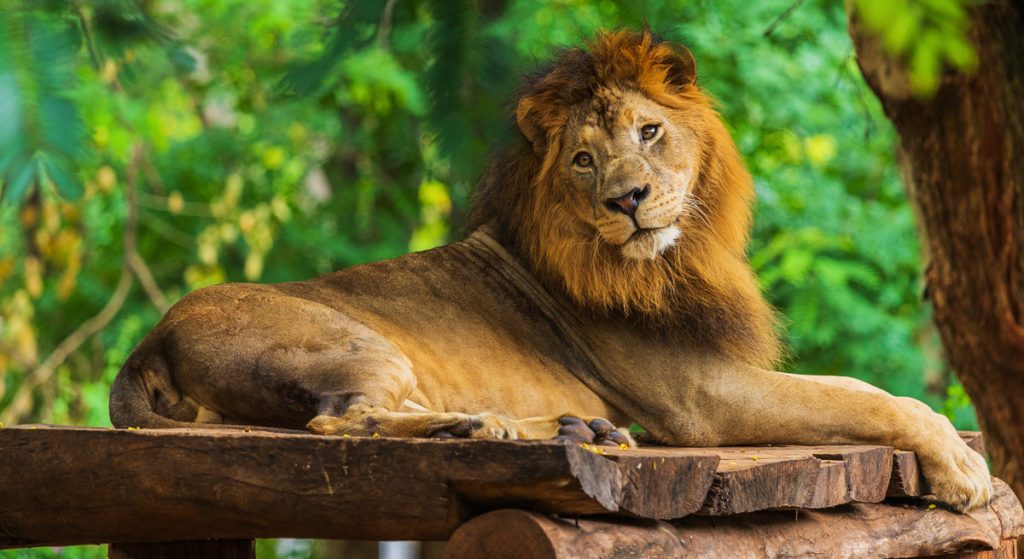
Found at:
(962, 155)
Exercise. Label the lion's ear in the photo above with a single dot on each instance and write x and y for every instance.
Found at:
(682, 68)
(528, 119)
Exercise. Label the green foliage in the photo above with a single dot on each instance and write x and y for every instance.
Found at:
(75, 552)
(927, 34)
(40, 129)
(275, 140)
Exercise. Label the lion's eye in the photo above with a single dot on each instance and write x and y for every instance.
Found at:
(648, 131)
(583, 159)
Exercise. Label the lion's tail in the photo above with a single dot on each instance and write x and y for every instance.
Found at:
(143, 382)
(131, 401)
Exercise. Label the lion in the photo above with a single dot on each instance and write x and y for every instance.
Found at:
(604, 281)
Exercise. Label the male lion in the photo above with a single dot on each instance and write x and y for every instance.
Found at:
(605, 277)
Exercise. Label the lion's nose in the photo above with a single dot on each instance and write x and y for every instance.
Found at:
(628, 202)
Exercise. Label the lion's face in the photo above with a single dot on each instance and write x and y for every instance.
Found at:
(630, 164)
(629, 195)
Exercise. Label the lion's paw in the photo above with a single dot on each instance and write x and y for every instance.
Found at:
(956, 474)
(597, 432)
(483, 426)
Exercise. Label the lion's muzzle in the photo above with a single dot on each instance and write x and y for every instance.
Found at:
(628, 202)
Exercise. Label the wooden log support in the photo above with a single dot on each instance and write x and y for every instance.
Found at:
(860, 531)
(63, 486)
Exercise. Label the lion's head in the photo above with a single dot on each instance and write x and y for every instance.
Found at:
(630, 195)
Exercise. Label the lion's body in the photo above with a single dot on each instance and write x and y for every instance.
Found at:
(606, 276)
(460, 314)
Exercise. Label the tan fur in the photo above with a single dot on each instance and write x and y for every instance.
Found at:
(619, 290)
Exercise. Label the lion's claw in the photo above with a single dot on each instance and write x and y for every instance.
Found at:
(483, 426)
(598, 431)
(462, 429)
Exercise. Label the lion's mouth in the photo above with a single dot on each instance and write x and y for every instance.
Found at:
(647, 243)
(642, 232)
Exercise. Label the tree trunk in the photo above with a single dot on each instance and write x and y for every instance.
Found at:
(962, 154)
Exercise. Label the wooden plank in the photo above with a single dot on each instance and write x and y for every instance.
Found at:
(906, 480)
(758, 478)
(862, 530)
(664, 485)
(974, 440)
(76, 485)
(867, 469)
(750, 479)
(61, 486)
(94, 485)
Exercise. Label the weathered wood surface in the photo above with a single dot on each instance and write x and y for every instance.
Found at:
(76, 485)
(855, 531)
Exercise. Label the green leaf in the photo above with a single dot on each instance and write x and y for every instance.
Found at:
(182, 60)
(960, 53)
(61, 126)
(926, 64)
(20, 180)
(66, 184)
(902, 30)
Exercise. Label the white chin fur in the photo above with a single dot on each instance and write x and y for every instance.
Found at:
(650, 246)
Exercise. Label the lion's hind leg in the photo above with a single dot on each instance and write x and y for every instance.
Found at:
(362, 420)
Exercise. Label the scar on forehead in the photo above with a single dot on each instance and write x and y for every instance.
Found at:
(608, 111)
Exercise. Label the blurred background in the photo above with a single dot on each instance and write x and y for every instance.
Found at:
(152, 147)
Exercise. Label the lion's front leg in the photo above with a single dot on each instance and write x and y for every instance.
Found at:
(744, 405)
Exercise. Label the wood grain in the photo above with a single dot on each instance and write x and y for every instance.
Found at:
(62, 486)
(854, 531)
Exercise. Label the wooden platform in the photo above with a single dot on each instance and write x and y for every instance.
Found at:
(62, 486)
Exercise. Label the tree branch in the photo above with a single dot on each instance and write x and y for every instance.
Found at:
(21, 403)
(132, 257)
(87, 35)
(782, 17)
(384, 28)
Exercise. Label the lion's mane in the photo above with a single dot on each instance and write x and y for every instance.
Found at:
(703, 287)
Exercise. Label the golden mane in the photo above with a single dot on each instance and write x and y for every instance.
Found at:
(703, 287)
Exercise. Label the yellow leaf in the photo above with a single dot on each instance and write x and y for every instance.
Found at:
(280, 209)
(6, 268)
(820, 149)
(175, 202)
(33, 276)
(232, 190)
(253, 266)
(297, 132)
(106, 178)
(109, 71)
(273, 157)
